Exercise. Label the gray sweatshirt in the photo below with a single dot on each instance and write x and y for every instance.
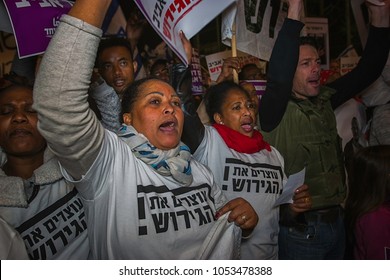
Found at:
(74, 133)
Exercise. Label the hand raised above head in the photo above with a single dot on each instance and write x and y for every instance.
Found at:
(295, 9)
(380, 12)
(229, 64)
(186, 45)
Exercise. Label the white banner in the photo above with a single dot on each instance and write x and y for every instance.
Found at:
(170, 16)
(257, 25)
(318, 28)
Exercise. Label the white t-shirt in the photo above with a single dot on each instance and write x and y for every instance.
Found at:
(11, 244)
(53, 226)
(135, 213)
(259, 178)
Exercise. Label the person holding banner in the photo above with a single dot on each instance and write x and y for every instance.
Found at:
(146, 197)
(296, 116)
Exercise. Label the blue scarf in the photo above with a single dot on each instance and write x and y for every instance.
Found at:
(174, 162)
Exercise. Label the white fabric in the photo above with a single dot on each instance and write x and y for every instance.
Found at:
(53, 224)
(11, 244)
(135, 213)
(258, 44)
(258, 178)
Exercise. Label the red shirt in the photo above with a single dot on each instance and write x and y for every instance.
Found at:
(372, 233)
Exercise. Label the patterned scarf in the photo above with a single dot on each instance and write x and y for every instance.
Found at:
(242, 143)
(175, 162)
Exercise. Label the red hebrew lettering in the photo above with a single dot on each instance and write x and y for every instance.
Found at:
(181, 5)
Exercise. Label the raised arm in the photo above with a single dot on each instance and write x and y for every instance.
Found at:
(193, 129)
(61, 89)
(281, 69)
(107, 102)
(372, 61)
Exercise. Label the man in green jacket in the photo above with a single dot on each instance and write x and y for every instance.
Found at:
(296, 117)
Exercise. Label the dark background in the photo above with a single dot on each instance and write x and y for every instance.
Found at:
(341, 22)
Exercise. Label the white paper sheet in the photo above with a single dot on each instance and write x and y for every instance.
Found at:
(294, 181)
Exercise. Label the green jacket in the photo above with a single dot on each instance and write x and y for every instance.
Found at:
(307, 137)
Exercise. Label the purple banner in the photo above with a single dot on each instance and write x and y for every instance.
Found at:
(196, 74)
(34, 23)
(259, 86)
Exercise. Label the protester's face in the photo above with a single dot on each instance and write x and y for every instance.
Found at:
(237, 113)
(157, 114)
(252, 73)
(116, 67)
(250, 88)
(19, 135)
(161, 72)
(335, 66)
(307, 75)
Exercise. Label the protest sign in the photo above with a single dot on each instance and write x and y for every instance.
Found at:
(348, 63)
(170, 16)
(318, 29)
(257, 25)
(32, 39)
(259, 86)
(196, 74)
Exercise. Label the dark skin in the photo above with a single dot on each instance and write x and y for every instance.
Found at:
(301, 203)
(242, 214)
(19, 136)
(301, 200)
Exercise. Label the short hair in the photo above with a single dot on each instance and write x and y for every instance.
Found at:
(216, 95)
(158, 62)
(308, 40)
(243, 72)
(109, 42)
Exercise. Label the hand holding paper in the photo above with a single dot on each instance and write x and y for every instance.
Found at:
(293, 182)
(296, 193)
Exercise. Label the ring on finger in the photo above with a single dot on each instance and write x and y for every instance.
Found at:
(243, 217)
